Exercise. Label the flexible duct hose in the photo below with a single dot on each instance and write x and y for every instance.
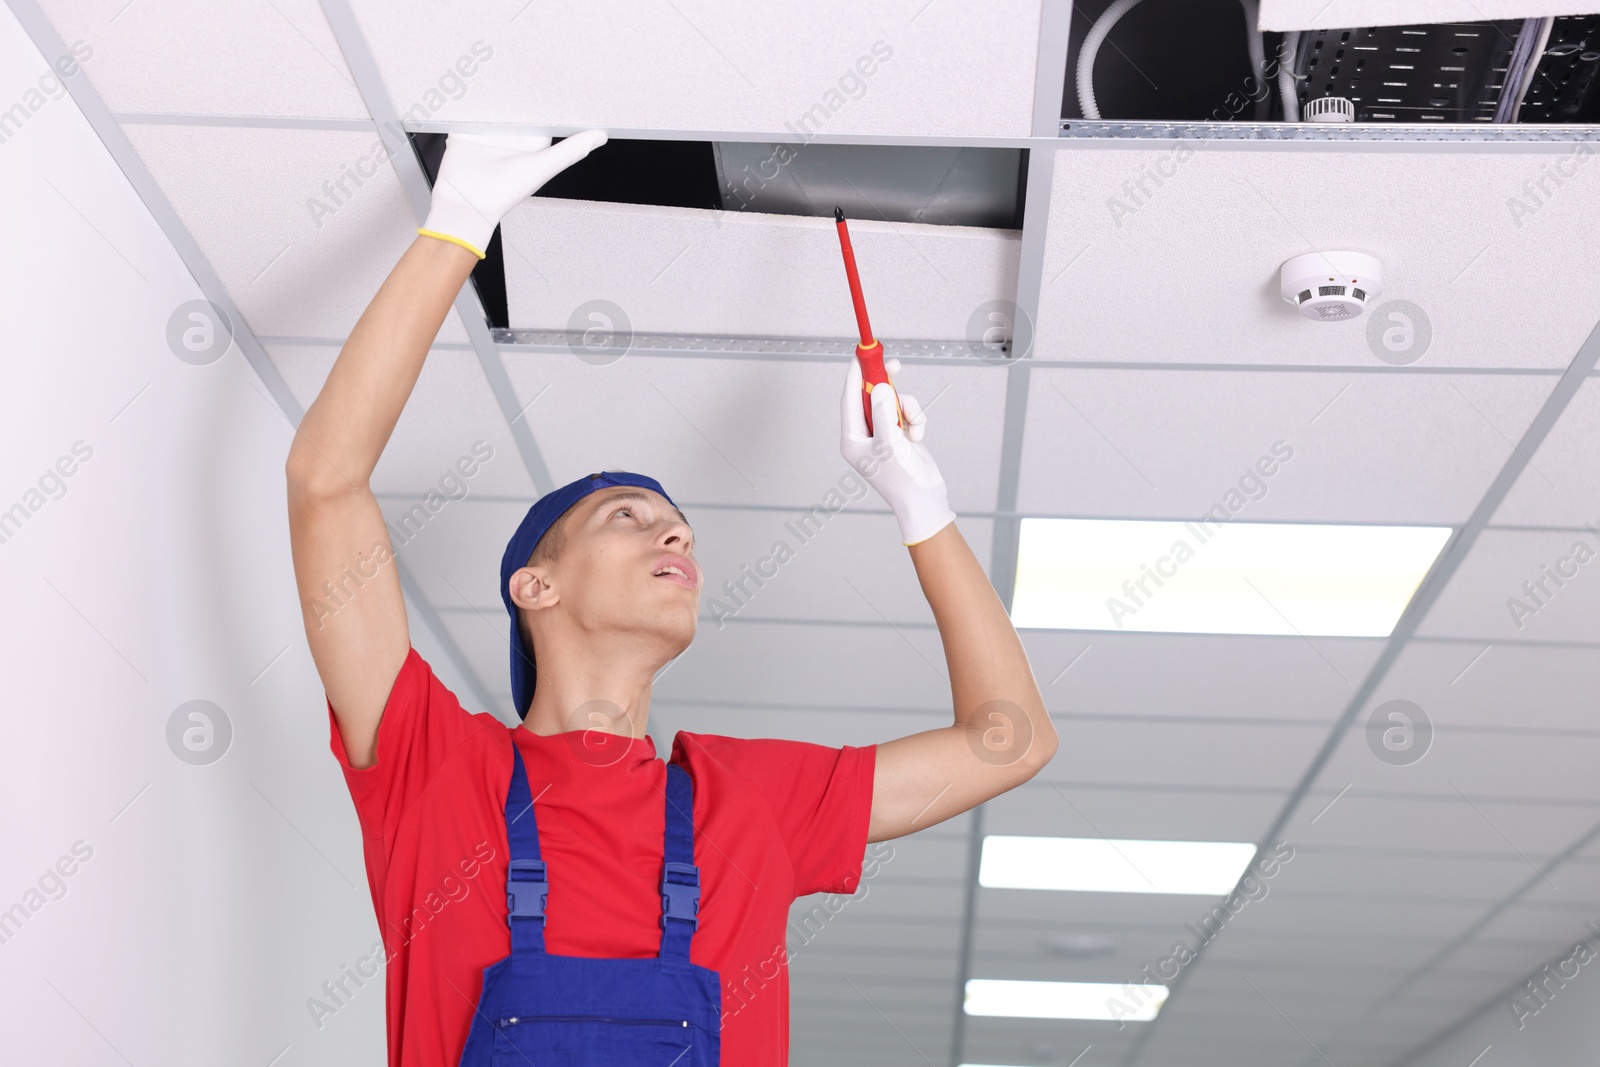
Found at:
(1091, 47)
(1102, 28)
(1286, 87)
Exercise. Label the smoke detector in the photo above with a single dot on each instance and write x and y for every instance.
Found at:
(1330, 286)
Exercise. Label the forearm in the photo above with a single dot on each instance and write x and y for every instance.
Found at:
(346, 428)
(986, 659)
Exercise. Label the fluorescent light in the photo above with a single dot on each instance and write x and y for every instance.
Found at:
(1099, 865)
(1216, 577)
(1064, 1000)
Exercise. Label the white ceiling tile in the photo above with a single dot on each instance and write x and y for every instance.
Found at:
(682, 270)
(484, 640)
(1039, 966)
(1561, 486)
(1504, 959)
(1320, 995)
(1557, 927)
(848, 565)
(821, 726)
(451, 417)
(1201, 676)
(456, 556)
(1444, 989)
(923, 856)
(1269, 754)
(192, 57)
(1575, 883)
(1486, 877)
(1267, 1008)
(1171, 813)
(1174, 1044)
(444, 666)
(1495, 962)
(1002, 946)
(1484, 686)
(1006, 1041)
(1362, 448)
(882, 968)
(879, 934)
(249, 196)
(941, 69)
(1474, 766)
(889, 898)
(1391, 950)
(1289, 912)
(747, 431)
(1188, 269)
(1316, 14)
(1435, 824)
(1056, 910)
(1488, 600)
(840, 664)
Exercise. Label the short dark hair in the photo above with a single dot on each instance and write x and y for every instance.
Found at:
(552, 542)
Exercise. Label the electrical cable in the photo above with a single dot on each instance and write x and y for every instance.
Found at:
(1112, 15)
(1521, 67)
(1533, 67)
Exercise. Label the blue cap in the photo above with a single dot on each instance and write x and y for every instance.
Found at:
(535, 523)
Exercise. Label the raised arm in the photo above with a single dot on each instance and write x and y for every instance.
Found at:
(350, 599)
(349, 590)
(1002, 734)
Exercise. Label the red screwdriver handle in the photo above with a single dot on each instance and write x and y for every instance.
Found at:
(873, 373)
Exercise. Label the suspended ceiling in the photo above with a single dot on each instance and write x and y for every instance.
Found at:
(1162, 365)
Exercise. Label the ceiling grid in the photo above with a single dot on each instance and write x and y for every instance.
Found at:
(1583, 364)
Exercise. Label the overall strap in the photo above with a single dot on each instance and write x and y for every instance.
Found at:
(680, 878)
(526, 885)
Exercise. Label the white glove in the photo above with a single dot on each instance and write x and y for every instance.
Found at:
(483, 176)
(895, 462)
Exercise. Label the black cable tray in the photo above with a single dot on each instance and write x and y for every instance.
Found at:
(1450, 72)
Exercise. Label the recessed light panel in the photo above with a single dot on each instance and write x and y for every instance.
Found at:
(1102, 865)
(1064, 1000)
(1220, 577)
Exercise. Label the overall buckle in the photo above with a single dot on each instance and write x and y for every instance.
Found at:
(680, 899)
(526, 900)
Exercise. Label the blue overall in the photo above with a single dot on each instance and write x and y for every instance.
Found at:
(546, 1010)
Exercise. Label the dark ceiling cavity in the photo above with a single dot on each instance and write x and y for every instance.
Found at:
(1187, 61)
(927, 184)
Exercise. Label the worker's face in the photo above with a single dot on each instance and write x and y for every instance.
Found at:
(606, 577)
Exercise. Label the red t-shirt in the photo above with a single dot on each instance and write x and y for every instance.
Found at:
(774, 820)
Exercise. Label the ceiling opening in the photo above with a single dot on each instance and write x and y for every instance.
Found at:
(1189, 61)
(934, 185)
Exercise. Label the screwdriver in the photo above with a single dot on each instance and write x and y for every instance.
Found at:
(869, 352)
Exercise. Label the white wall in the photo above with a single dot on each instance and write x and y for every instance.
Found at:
(215, 899)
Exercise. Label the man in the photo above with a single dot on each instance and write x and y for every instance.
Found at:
(555, 889)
